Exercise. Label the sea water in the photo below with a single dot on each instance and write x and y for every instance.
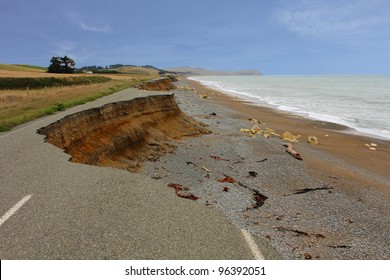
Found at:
(359, 102)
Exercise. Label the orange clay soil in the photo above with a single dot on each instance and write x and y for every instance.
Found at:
(123, 134)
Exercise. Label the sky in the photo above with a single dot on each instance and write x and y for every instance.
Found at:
(276, 37)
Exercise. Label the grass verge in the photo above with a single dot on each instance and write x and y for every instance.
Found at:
(35, 83)
(20, 106)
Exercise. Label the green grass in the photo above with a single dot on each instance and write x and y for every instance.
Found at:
(47, 103)
(32, 67)
(21, 67)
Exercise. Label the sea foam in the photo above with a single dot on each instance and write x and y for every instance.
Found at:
(359, 102)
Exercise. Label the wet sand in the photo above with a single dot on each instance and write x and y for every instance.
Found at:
(349, 150)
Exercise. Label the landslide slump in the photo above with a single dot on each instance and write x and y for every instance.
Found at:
(123, 134)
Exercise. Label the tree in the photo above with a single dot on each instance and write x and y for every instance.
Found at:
(61, 65)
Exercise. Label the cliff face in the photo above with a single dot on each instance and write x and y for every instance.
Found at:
(160, 84)
(123, 134)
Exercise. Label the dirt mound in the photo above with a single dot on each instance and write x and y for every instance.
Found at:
(123, 134)
(160, 84)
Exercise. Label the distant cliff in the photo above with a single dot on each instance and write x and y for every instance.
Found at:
(190, 71)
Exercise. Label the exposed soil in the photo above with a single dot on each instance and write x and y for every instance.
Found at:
(160, 84)
(123, 134)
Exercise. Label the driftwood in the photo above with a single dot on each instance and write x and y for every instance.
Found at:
(301, 191)
(258, 197)
(299, 232)
(183, 192)
(291, 151)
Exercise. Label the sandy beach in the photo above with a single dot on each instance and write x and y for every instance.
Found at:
(333, 204)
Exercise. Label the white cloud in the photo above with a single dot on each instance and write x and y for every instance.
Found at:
(76, 19)
(92, 28)
(324, 18)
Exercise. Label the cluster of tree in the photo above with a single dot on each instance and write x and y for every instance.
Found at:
(61, 65)
(92, 68)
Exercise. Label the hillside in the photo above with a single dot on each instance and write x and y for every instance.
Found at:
(186, 70)
(24, 68)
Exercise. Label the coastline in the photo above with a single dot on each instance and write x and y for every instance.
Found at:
(339, 89)
(331, 205)
(340, 143)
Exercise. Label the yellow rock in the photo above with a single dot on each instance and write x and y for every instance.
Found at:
(269, 132)
(289, 137)
(312, 140)
(373, 145)
(372, 148)
(255, 129)
(367, 145)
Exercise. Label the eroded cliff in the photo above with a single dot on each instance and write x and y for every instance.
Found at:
(159, 84)
(123, 134)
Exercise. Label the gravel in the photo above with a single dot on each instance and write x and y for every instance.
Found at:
(329, 223)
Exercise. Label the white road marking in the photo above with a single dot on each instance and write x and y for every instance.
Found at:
(252, 245)
(14, 208)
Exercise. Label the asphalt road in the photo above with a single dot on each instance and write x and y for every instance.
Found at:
(76, 211)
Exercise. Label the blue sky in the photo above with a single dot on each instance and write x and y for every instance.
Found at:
(272, 36)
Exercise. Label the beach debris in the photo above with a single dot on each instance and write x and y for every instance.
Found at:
(371, 146)
(190, 162)
(183, 192)
(206, 169)
(306, 255)
(290, 137)
(262, 160)
(213, 114)
(312, 140)
(227, 179)
(269, 132)
(299, 232)
(291, 151)
(305, 190)
(256, 121)
(225, 189)
(253, 131)
(205, 96)
(252, 173)
(333, 177)
(219, 158)
(258, 197)
(340, 246)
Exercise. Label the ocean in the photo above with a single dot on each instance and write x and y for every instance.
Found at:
(361, 103)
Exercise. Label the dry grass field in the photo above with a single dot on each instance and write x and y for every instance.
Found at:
(20, 106)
